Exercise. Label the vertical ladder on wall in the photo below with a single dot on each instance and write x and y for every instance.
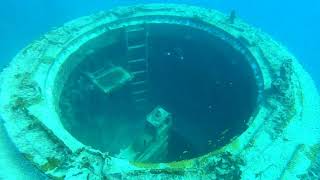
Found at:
(137, 54)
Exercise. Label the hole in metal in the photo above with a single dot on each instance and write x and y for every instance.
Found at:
(159, 93)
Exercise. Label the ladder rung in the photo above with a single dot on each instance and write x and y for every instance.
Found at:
(138, 82)
(136, 46)
(139, 92)
(136, 60)
(138, 72)
(140, 100)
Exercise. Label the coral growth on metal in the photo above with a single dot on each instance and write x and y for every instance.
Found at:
(273, 146)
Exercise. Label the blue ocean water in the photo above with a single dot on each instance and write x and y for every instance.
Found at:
(294, 23)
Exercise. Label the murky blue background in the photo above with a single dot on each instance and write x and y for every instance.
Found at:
(294, 23)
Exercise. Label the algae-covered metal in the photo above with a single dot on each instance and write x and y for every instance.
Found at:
(281, 141)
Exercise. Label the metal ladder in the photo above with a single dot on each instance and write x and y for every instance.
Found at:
(137, 55)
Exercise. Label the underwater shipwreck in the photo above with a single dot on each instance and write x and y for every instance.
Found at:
(162, 91)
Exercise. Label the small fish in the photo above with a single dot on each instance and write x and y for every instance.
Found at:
(225, 131)
(209, 142)
(185, 152)
(168, 53)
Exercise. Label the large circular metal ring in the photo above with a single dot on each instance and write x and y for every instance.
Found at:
(280, 138)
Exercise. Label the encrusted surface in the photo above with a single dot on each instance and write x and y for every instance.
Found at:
(281, 140)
